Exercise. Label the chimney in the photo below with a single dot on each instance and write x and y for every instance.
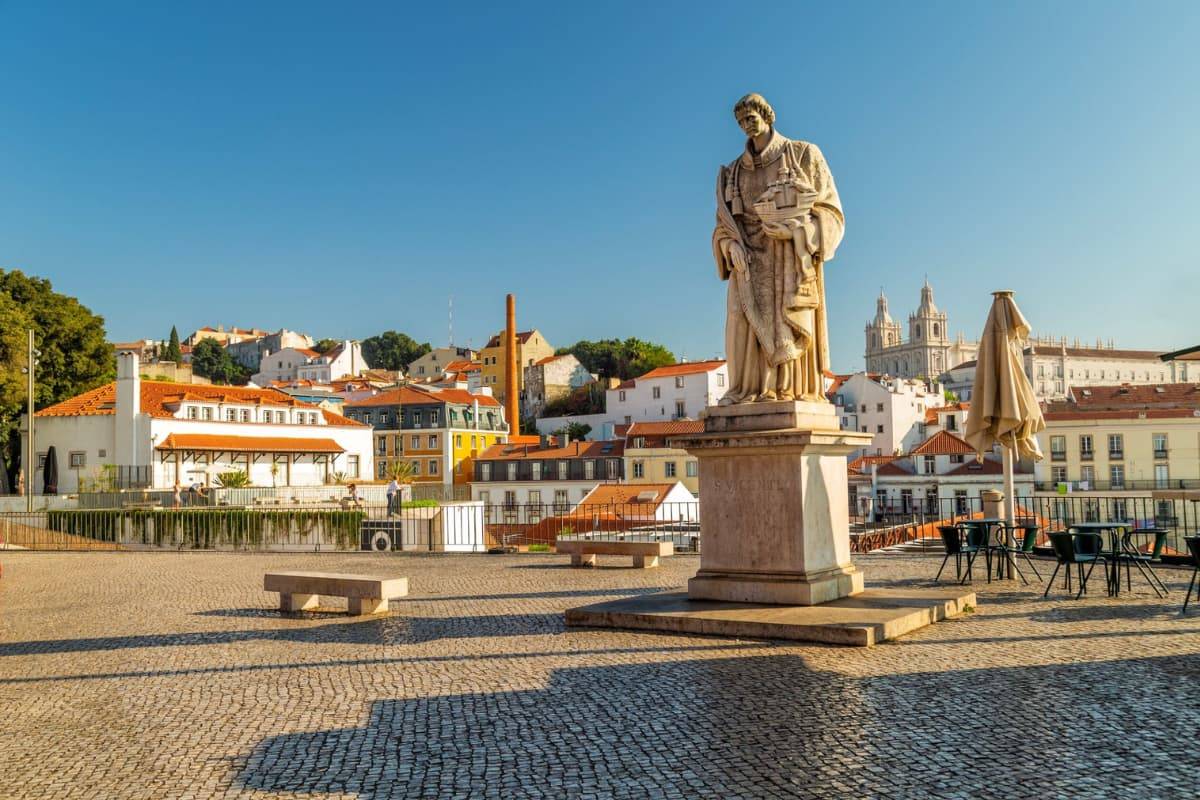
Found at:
(129, 408)
(511, 381)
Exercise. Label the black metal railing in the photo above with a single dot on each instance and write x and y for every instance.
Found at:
(1140, 485)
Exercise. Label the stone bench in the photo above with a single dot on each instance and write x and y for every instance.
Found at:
(583, 552)
(298, 591)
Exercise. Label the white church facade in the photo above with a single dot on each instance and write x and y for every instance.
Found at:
(926, 352)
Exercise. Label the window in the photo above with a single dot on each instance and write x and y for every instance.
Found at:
(951, 422)
(1160, 445)
(680, 408)
(1116, 476)
(628, 419)
(692, 468)
(510, 498)
(960, 501)
(589, 470)
(434, 416)
(536, 467)
(639, 469)
(560, 501)
(433, 466)
(1116, 445)
(458, 440)
(77, 459)
(280, 417)
(1085, 447)
(433, 441)
(244, 415)
(956, 458)
(485, 471)
(1161, 478)
(879, 407)
(415, 441)
(381, 444)
(206, 413)
(613, 469)
(1087, 475)
(352, 466)
(416, 465)
(416, 418)
(231, 415)
(563, 467)
(863, 410)
(656, 392)
(535, 505)
(473, 444)
(669, 469)
(266, 416)
(102, 453)
(1058, 475)
(929, 465)
(511, 468)
(679, 382)
(381, 468)
(720, 379)
(1058, 448)
(192, 412)
(621, 396)
(879, 429)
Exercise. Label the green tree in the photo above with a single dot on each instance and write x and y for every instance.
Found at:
(392, 350)
(613, 358)
(173, 351)
(325, 345)
(578, 431)
(951, 397)
(75, 355)
(211, 360)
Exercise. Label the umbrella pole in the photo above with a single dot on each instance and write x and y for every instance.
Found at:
(1010, 502)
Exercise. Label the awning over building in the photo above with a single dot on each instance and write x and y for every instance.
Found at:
(248, 444)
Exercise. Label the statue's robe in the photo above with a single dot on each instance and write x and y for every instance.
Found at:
(776, 340)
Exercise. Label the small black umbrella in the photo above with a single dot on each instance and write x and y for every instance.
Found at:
(50, 472)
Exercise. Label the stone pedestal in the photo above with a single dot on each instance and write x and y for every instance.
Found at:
(773, 504)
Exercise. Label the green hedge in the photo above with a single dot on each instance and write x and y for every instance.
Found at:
(210, 528)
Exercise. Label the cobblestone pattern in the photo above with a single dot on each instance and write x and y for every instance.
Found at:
(164, 675)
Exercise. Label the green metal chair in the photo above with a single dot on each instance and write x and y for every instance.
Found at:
(1019, 541)
(1076, 549)
(1131, 556)
(1193, 543)
(952, 540)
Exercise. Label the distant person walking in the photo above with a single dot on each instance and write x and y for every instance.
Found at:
(392, 488)
(177, 496)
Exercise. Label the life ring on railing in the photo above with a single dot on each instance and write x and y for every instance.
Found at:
(381, 542)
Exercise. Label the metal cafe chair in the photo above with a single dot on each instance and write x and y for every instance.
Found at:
(1130, 555)
(952, 540)
(1019, 540)
(1076, 549)
(1193, 544)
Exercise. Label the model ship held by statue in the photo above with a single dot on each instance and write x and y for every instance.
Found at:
(772, 251)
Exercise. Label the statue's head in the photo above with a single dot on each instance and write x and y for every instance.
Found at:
(754, 114)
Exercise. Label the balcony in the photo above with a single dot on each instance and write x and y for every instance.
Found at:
(1086, 455)
(1116, 455)
(1160, 454)
(1058, 455)
(1127, 485)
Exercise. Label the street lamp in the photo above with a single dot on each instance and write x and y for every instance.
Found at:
(31, 362)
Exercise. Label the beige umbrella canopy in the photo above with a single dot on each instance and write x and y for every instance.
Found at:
(1004, 408)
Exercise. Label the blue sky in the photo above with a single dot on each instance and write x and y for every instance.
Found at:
(346, 168)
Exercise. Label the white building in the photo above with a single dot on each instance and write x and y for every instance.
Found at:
(438, 361)
(249, 350)
(926, 352)
(162, 433)
(303, 364)
(677, 391)
(892, 410)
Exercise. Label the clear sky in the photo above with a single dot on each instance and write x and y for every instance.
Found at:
(343, 168)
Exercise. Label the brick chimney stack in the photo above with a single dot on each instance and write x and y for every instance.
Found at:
(512, 404)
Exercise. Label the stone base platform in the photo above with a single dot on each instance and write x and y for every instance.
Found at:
(863, 620)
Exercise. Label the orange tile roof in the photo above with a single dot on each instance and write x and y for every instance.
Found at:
(626, 494)
(248, 444)
(892, 468)
(666, 428)
(866, 461)
(686, 368)
(522, 338)
(157, 397)
(943, 443)
(517, 452)
(461, 365)
(931, 414)
(414, 395)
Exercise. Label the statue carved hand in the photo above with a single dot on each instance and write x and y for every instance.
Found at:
(737, 256)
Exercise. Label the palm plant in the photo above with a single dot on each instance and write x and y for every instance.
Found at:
(401, 471)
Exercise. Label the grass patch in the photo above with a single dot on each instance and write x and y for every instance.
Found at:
(540, 547)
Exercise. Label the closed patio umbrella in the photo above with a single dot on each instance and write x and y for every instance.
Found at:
(50, 472)
(1004, 407)
(5, 488)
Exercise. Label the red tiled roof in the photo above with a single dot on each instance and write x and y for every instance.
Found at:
(942, 443)
(414, 395)
(669, 428)
(931, 414)
(687, 368)
(626, 494)
(867, 461)
(1178, 395)
(522, 338)
(1094, 352)
(248, 444)
(891, 468)
(516, 452)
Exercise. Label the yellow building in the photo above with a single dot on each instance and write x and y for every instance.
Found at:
(531, 348)
(648, 459)
(439, 431)
(1122, 439)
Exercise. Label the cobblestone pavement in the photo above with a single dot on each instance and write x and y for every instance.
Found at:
(167, 675)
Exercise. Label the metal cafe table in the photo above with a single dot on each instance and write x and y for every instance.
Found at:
(1000, 533)
(1115, 529)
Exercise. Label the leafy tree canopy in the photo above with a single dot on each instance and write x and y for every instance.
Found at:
(392, 350)
(578, 431)
(75, 355)
(211, 360)
(325, 345)
(613, 358)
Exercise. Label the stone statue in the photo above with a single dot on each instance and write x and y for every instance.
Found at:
(779, 220)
